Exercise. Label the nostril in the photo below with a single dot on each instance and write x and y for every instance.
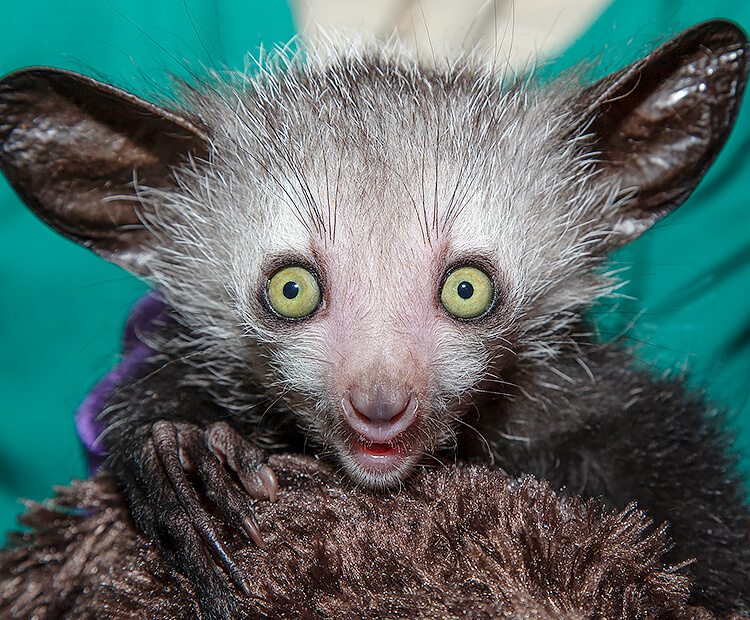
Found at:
(379, 405)
(379, 416)
(378, 420)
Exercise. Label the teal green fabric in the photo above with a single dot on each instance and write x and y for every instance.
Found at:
(61, 309)
(688, 295)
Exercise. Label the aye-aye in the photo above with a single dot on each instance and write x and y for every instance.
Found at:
(384, 261)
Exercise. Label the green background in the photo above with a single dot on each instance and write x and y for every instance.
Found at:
(687, 301)
(62, 309)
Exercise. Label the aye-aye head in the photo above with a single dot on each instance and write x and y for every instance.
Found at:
(372, 237)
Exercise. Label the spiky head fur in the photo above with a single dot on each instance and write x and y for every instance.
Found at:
(379, 173)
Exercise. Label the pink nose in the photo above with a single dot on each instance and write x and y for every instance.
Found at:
(379, 414)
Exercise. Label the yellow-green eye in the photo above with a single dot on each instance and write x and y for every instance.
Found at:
(293, 292)
(467, 292)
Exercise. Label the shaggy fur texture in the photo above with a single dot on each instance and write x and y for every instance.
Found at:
(591, 430)
(381, 175)
(459, 542)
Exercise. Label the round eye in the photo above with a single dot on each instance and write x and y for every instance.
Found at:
(467, 292)
(293, 292)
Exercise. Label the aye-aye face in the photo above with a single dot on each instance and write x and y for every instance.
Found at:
(389, 255)
(375, 239)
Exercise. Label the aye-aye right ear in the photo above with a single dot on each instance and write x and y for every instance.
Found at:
(658, 124)
(72, 148)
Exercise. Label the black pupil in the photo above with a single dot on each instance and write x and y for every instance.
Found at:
(465, 290)
(291, 290)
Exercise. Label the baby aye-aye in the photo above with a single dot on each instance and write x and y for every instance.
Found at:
(384, 261)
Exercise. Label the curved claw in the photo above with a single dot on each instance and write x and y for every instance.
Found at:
(182, 448)
(247, 461)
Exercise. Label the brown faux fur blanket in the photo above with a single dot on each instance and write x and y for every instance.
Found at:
(459, 542)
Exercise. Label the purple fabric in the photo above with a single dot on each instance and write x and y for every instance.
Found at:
(142, 321)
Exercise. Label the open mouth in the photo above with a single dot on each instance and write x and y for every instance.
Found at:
(380, 458)
(380, 448)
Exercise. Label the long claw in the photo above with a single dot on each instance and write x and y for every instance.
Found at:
(250, 525)
(244, 459)
(271, 484)
(181, 448)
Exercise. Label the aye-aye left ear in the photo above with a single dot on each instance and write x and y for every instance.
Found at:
(76, 151)
(658, 124)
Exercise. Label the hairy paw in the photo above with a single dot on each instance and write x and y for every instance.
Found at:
(184, 465)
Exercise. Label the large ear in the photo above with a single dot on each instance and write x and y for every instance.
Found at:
(659, 123)
(72, 148)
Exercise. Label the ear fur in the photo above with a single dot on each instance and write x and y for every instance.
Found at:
(658, 124)
(72, 148)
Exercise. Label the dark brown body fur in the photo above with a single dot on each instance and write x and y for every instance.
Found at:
(459, 542)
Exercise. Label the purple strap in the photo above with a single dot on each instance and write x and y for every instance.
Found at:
(141, 321)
